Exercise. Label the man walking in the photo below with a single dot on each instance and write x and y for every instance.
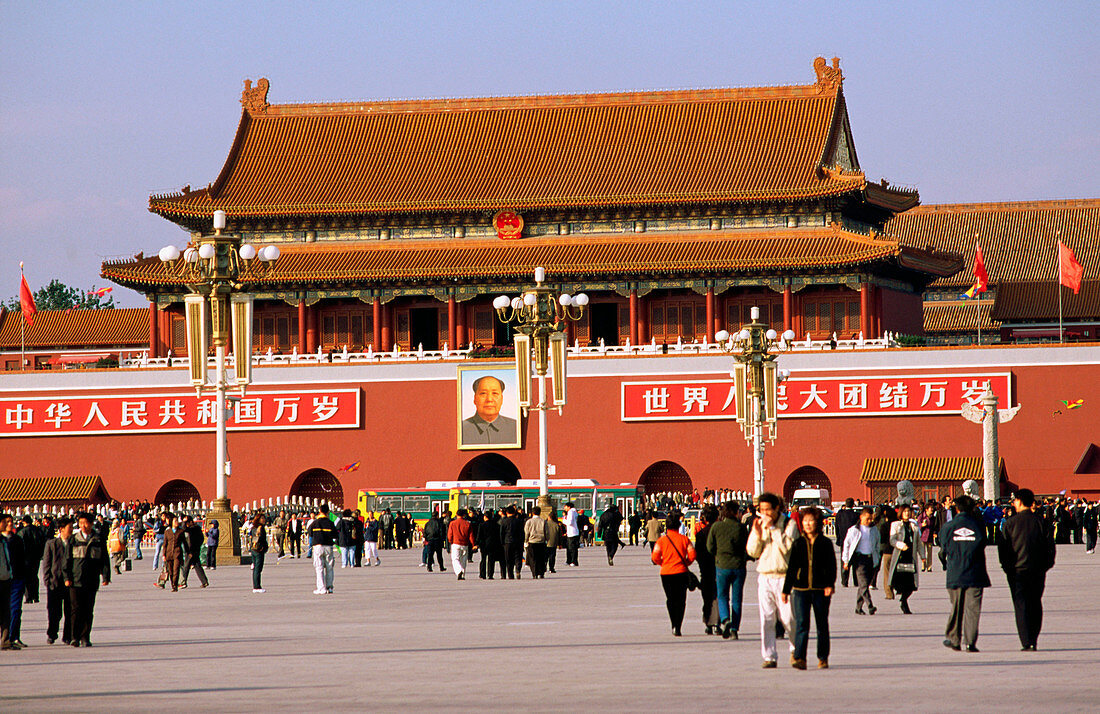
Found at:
(172, 549)
(433, 542)
(278, 534)
(459, 536)
(846, 517)
(1026, 553)
(511, 535)
(58, 604)
(860, 554)
(86, 565)
(17, 572)
(770, 540)
(7, 575)
(322, 536)
(213, 536)
(572, 534)
(192, 545)
(34, 541)
(608, 528)
(345, 533)
(652, 529)
(634, 523)
(962, 553)
(726, 542)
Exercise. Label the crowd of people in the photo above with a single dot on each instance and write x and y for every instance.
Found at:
(796, 565)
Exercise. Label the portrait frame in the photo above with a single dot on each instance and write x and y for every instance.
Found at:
(468, 434)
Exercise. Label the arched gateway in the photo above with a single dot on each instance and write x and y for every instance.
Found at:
(665, 476)
(490, 467)
(319, 484)
(806, 477)
(176, 491)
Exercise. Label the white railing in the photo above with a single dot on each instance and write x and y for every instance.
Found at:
(599, 349)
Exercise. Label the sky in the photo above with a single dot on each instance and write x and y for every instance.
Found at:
(104, 104)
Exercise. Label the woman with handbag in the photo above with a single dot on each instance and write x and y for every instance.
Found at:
(674, 553)
(901, 577)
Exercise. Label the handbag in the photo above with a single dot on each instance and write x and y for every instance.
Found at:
(693, 579)
(906, 568)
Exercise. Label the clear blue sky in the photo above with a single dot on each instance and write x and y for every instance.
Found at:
(102, 104)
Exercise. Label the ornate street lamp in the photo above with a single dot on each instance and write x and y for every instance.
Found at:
(756, 380)
(540, 316)
(213, 267)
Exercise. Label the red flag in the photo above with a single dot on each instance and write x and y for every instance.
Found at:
(1069, 270)
(981, 278)
(26, 300)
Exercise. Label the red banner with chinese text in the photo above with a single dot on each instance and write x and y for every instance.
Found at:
(175, 412)
(848, 396)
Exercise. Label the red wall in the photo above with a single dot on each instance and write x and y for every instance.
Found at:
(902, 312)
(409, 437)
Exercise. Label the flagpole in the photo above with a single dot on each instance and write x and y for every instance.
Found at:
(1058, 252)
(22, 328)
(979, 319)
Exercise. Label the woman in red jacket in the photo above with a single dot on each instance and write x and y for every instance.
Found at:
(674, 553)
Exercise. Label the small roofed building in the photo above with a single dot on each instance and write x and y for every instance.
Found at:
(676, 211)
(932, 477)
(1020, 249)
(53, 492)
(58, 339)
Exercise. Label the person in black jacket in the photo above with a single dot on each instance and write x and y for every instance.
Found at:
(86, 564)
(488, 542)
(608, 529)
(846, 517)
(433, 542)
(12, 604)
(1026, 553)
(809, 584)
(345, 538)
(34, 541)
(58, 604)
(708, 583)
(511, 536)
(192, 545)
(962, 553)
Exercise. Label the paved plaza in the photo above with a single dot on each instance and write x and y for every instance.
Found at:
(586, 638)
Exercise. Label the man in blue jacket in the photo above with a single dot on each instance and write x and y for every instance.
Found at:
(962, 552)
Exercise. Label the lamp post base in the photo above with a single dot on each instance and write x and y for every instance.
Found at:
(545, 504)
(229, 541)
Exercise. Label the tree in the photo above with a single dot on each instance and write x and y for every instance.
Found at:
(59, 296)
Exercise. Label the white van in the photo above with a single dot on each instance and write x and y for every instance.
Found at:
(812, 497)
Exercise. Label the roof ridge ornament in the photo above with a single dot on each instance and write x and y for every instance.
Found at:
(254, 100)
(828, 77)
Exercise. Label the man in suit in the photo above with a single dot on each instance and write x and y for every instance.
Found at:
(1026, 553)
(488, 425)
(86, 565)
(58, 605)
(173, 552)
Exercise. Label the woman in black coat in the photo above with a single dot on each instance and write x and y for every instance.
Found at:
(809, 585)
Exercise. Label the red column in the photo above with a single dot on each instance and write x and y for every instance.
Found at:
(643, 319)
(710, 314)
(376, 322)
(302, 341)
(166, 332)
(865, 310)
(452, 322)
(878, 313)
(311, 329)
(154, 338)
(634, 331)
(788, 308)
(387, 329)
(460, 328)
(797, 323)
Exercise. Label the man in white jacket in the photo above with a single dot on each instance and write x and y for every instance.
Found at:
(770, 539)
(861, 553)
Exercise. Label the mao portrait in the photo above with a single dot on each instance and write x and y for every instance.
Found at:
(488, 408)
